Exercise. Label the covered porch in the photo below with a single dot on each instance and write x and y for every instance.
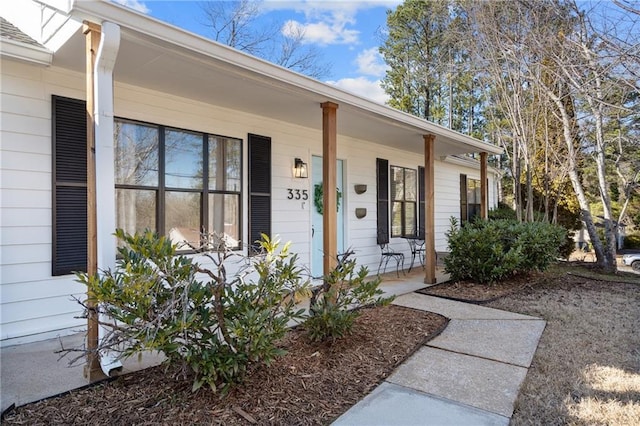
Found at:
(118, 50)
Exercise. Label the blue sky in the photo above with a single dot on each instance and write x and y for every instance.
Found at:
(345, 32)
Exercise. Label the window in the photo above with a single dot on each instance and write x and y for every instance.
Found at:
(177, 182)
(469, 198)
(403, 201)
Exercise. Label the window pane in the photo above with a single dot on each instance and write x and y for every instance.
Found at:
(136, 154)
(396, 219)
(397, 183)
(136, 210)
(473, 211)
(409, 219)
(473, 191)
(225, 162)
(183, 159)
(410, 182)
(224, 217)
(182, 218)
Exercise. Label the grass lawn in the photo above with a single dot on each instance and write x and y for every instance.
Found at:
(586, 370)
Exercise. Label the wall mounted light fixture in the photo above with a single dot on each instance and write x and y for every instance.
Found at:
(300, 169)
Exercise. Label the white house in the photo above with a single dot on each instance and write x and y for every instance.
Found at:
(191, 134)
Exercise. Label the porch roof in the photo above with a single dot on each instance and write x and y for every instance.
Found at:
(160, 56)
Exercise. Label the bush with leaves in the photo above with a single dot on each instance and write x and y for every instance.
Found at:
(212, 328)
(503, 211)
(333, 305)
(488, 251)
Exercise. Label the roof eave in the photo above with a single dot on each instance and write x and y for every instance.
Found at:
(267, 71)
(26, 52)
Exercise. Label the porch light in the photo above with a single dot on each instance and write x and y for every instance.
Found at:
(300, 169)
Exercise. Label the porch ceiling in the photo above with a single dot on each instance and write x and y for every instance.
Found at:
(217, 75)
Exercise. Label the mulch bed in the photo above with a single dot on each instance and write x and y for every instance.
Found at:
(312, 384)
(473, 292)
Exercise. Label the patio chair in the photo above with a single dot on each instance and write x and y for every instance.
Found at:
(416, 245)
(387, 253)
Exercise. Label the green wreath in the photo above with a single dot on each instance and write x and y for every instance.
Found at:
(318, 198)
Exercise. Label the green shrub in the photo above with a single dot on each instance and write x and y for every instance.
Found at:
(567, 247)
(632, 241)
(212, 329)
(541, 243)
(503, 211)
(488, 251)
(331, 308)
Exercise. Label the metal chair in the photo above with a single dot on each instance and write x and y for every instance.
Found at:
(387, 253)
(416, 245)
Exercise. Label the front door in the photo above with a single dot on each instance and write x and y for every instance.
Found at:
(316, 218)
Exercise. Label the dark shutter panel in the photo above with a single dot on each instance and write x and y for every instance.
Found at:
(421, 213)
(464, 215)
(382, 191)
(259, 188)
(69, 130)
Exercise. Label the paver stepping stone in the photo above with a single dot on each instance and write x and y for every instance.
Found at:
(489, 385)
(391, 404)
(455, 310)
(509, 341)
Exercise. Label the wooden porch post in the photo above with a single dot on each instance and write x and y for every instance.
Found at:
(92, 370)
(329, 159)
(484, 209)
(429, 213)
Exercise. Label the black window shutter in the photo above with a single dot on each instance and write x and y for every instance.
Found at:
(421, 213)
(69, 131)
(259, 188)
(382, 191)
(464, 215)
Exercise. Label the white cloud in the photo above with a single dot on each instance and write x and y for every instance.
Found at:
(321, 32)
(138, 5)
(362, 86)
(327, 22)
(370, 62)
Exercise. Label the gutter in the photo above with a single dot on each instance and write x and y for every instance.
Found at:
(26, 52)
(105, 183)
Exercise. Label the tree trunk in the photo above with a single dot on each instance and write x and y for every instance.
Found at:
(585, 208)
(529, 214)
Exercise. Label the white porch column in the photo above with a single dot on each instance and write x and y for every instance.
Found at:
(484, 198)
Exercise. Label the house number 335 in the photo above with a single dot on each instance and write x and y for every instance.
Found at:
(297, 194)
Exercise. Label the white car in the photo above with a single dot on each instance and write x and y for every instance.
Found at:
(632, 260)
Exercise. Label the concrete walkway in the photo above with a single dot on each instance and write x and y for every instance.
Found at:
(469, 375)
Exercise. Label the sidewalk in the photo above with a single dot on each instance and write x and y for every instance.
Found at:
(469, 375)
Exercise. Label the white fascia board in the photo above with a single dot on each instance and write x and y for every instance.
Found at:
(144, 24)
(26, 52)
(468, 162)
